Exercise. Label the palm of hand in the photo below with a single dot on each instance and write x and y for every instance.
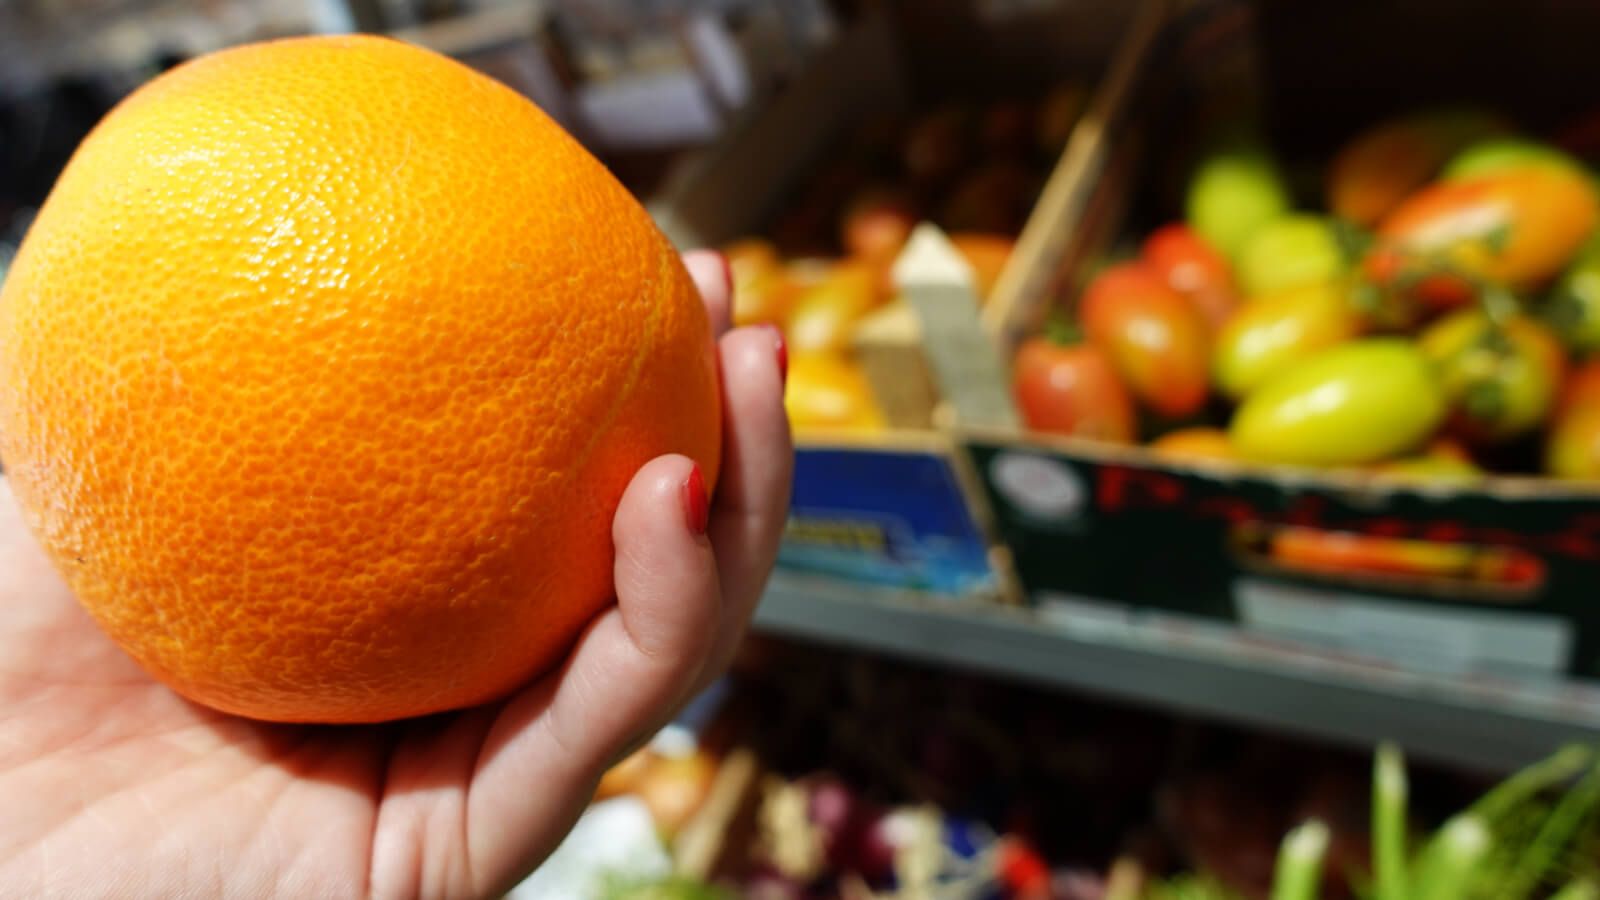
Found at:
(100, 758)
(115, 786)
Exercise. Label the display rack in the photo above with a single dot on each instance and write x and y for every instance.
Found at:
(1492, 724)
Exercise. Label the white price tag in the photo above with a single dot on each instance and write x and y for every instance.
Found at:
(1418, 636)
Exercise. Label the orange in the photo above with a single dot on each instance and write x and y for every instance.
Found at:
(323, 370)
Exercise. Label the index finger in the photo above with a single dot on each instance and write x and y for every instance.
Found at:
(714, 277)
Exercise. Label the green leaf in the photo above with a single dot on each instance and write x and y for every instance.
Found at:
(1484, 401)
(1518, 789)
(1299, 872)
(1353, 240)
(1578, 889)
(1446, 867)
(1389, 800)
(1498, 238)
(1539, 860)
(1061, 329)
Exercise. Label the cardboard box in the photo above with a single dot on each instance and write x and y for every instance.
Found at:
(894, 509)
(1498, 578)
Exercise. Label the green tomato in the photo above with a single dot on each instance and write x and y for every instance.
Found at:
(1501, 381)
(1289, 252)
(1354, 404)
(1499, 154)
(1274, 332)
(1233, 193)
(1573, 308)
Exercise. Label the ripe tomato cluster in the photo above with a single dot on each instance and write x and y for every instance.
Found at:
(1439, 318)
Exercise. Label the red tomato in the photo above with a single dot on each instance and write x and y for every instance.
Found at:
(1193, 268)
(1377, 170)
(1155, 337)
(1517, 227)
(1582, 387)
(1072, 390)
(876, 225)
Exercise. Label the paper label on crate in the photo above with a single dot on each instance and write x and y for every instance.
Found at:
(887, 517)
(1417, 636)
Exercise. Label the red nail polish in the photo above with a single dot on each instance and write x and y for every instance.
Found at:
(781, 349)
(696, 507)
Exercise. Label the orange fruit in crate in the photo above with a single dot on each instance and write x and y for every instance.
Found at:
(826, 391)
(825, 313)
(761, 288)
(323, 370)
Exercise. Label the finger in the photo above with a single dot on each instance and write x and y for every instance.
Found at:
(714, 277)
(630, 668)
(752, 497)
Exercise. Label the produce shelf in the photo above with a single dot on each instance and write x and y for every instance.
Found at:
(1481, 722)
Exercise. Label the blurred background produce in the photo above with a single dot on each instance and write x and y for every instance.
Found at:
(886, 780)
(1436, 289)
(973, 167)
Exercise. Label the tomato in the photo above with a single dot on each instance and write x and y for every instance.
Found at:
(1154, 336)
(1573, 449)
(1377, 170)
(1357, 403)
(1195, 443)
(826, 391)
(938, 145)
(1501, 380)
(995, 197)
(1275, 332)
(1234, 192)
(987, 254)
(824, 313)
(1516, 228)
(876, 225)
(1573, 307)
(1194, 269)
(1289, 252)
(1071, 390)
(1582, 387)
(1005, 128)
(1502, 154)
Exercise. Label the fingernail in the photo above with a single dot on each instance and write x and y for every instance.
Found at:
(781, 350)
(696, 508)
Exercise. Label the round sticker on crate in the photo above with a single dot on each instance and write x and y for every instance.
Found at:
(1038, 486)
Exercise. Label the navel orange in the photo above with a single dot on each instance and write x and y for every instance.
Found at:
(323, 370)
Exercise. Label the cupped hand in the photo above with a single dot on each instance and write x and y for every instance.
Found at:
(113, 786)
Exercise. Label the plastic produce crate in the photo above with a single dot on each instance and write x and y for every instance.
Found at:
(1500, 574)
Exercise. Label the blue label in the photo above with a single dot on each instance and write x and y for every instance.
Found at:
(889, 517)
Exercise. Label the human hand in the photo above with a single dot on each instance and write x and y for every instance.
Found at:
(116, 786)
